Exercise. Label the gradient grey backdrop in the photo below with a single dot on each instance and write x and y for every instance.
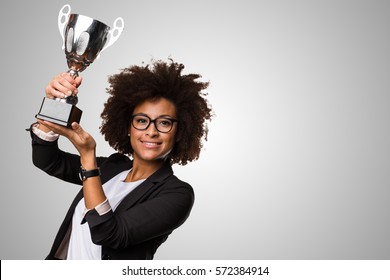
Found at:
(297, 162)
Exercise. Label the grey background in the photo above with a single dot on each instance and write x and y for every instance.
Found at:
(297, 162)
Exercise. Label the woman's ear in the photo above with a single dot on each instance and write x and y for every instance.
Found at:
(128, 131)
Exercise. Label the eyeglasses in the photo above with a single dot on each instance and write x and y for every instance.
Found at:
(162, 124)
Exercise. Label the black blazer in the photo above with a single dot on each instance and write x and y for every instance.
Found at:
(140, 223)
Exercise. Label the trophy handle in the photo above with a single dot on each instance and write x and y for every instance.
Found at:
(115, 32)
(63, 17)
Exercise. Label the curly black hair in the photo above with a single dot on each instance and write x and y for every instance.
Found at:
(136, 84)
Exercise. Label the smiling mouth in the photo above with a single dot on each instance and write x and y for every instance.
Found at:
(150, 144)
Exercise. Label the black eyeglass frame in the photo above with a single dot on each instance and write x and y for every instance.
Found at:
(153, 121)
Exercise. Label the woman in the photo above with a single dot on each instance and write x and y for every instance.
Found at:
(127, 207)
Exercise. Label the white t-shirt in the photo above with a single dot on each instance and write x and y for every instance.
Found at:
(81, 246)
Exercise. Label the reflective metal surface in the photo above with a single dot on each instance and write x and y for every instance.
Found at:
(84, 38)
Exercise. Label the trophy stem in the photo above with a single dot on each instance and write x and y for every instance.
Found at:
(73, 73)
(73, 99)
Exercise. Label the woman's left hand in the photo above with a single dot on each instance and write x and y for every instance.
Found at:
(81, 139)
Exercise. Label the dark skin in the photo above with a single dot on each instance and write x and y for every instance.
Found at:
(150, 146)
(154, 81)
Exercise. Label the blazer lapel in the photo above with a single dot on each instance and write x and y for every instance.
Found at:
(146, 187)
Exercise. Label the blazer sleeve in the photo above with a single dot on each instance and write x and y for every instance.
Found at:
(152, 218)
(55, 162)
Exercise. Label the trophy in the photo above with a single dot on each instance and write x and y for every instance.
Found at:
(84, 39)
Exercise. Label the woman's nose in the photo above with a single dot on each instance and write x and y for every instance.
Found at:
(152, 129)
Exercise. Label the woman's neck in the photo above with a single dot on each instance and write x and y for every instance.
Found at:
(142, 170)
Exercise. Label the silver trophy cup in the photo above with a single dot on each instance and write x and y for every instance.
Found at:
(84, 39)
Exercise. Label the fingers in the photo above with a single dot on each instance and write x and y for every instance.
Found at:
(62, 86)
(75, 134)
(76, 129)
(54, 127)
(78, 80)
(81, 139)
(54, 90)
(79, 136)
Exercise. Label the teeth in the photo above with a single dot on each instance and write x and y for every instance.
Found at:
(150, 144)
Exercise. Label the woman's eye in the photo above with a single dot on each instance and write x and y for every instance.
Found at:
(165, 122)
(141, 121)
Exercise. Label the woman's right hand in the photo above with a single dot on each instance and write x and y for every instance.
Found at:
(62, 86)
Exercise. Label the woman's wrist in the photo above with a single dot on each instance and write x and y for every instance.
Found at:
(88, 161)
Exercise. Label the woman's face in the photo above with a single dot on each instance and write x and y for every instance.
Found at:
(151, 144)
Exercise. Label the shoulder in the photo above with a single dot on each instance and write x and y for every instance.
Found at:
(176, 182)
(118, 157)
(115, 158)
(166, 179)
(177, 188)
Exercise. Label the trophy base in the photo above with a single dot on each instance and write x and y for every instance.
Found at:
(59, 112)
